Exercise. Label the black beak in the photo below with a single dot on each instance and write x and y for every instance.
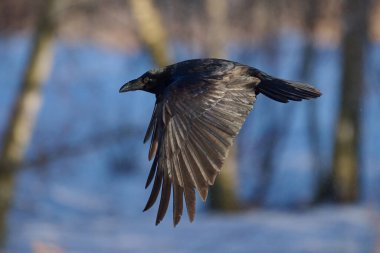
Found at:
(135, 84)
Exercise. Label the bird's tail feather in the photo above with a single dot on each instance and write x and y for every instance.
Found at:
(283, 91)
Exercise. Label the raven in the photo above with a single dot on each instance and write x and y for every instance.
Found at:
(201, 104)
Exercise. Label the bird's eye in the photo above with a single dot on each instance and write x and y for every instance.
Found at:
(146, 79)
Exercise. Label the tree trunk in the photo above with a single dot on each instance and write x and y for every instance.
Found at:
(311, 17)
(216, 11)
(223, 195)
(25, 110)
(151, 30)
(346, 150)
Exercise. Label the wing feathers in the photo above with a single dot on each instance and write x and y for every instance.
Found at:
(198, 145)
(191, 130)
(195, 173)
(152, 171)
(205, 164)
(153, 147)
(190, 202)
(152, 124)
(197, 164)
(177, 203)
(165, 197)
(211, 148)
(155, 189)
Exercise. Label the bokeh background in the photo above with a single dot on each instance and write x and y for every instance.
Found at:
(302, 177)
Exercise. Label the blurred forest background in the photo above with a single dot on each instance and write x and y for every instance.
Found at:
(72, 162)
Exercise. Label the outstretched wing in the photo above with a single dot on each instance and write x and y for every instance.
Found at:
(192, 127)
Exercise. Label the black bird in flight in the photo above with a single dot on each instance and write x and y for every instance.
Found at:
(201, 105)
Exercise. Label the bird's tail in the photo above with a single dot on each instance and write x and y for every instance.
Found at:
(283, 91)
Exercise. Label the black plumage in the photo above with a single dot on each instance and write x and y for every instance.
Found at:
(201, 105)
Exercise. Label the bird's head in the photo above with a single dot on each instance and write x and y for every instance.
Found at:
(149, 82)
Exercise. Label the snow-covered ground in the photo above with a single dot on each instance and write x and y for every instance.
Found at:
(87, 203)
(323, 229)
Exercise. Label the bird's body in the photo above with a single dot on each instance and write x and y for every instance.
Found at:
(201, 105)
